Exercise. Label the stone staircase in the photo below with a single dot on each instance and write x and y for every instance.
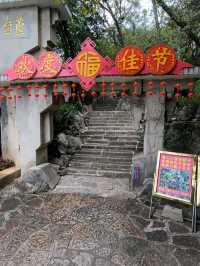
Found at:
(104, 161)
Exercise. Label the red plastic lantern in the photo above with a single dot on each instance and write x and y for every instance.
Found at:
(163, 83)
(74, 85)
(112, 84)
(112, 94)
(103, 93)
(162, 93)
(177, 95)
(93, 93)
(177, 86)
(55, 89)
(83, 95)
(190, 85)
(190, 95)
(123, 85)
(73, 94)
(123, 94)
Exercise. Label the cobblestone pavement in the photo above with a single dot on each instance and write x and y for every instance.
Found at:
(75, 230)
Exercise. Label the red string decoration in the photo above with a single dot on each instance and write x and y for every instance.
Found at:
(2, 97)
(177, 87)
(135, 86)
(163, 85)
(112, 88)
(149, 88)
(64, 86)
(123, 87)
(36, 88)
(103, 87)
(44, 87)
(19, 92)
(190, 86)
(55, 89)
(9, 95)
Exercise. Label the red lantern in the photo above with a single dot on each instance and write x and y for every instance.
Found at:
(28, 88)
(103, 93)
(149, 93)
(162, 93)
(112, 85)
(44, 87)
(190, 85)
(74, 85)
(163, 83)
(83, 95)
(55, 89)
(73, 94)
(112, 94)
(177, 95)
(190, 95)
(177, 86)
(123, 94)
(2, 97)
(93, 93)
(123, 85)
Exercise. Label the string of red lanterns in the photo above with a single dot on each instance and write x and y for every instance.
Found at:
(34, 90)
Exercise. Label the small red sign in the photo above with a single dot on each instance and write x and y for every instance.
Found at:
(160, 59)
(130, 60)
(25, 66)
(49, 65)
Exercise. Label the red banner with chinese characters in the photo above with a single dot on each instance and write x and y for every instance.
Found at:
(160, 59)
(25, 67)
(49, 65)
(130, 60)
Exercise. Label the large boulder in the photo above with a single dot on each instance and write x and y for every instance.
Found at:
(41, 178)
(68, 144)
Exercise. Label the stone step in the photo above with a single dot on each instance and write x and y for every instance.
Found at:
(108, 147)
(111, 128)
(112, 143)
(111, 137)
(106, 152)
(113, 124)
(111, 115)
(102, 158)
(112, 121)
(100, 166)
(99, 173)
(113, 133)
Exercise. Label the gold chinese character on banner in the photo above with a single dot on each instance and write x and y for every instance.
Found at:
(88, 64)
(7, 27)
(19, 26)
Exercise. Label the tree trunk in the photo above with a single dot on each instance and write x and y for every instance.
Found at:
(155, 12)
(181, 23)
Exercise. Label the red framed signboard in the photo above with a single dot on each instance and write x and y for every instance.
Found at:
(175, 174)
(160, 59)
(130, 60)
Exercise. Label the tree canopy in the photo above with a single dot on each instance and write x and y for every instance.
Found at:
(115, 23)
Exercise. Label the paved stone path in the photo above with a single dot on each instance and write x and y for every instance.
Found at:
(75, 230)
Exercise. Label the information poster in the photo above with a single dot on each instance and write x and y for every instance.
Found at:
(174, 177)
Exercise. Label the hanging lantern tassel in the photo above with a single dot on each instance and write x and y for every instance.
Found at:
(55, 89)
(64, 86)
(45, 87)
(134, 89)
(190, 86)
(36, 88)
(9, 93)
(177, 87)
(149, 88)
(19, 92)
(123, 87)
(103, 89)
(163, 85)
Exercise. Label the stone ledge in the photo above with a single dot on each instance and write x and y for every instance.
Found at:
(8, 175)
